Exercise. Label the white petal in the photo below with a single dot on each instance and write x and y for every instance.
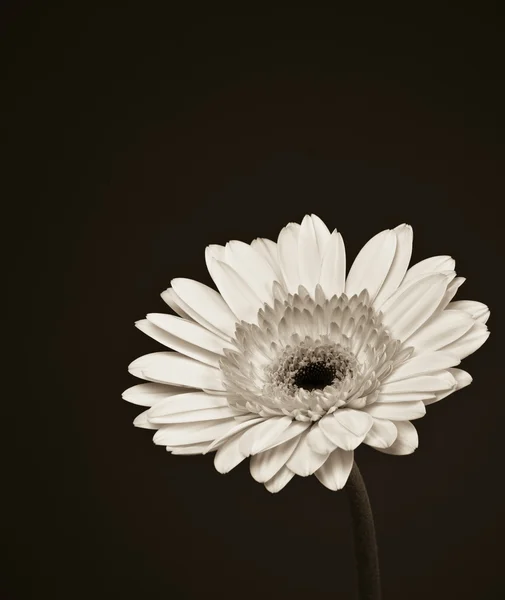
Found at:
(332, 278)
(252, 267)
(462, 380)
(477, 310)
(405, 397)
(171, 341)
(205, 306)
(409, 308)
(181, 434)
(148, 394)
(322, 232)
(243, 302)
(318, 441)
(190, 416)
(176, 369)
(143, 422)
(190, 332)
(266, 464)
(309, 256)
(346, 430)
(452, 289)
(403, 252)
(382, 434)
(229, 455)
(372, 265)
(237, 427)
(175, 303)
(397, 411)
(471, 341)
(268, 250)
(435, 382)
(434, 264)
(335, 471)
(440, 330)
(304, 461)
(287, 245)
(423, 363)
(187, 402)
(260, 436)
(279, 480)
(295, 429)
(406, 442)
(191, 449)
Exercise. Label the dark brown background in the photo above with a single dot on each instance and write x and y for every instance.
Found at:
(139, 135)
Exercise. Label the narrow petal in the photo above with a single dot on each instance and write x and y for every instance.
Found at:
(357, 422)
(260, 436)
(382, 434)
(287, 245)
(279, 480)
(435, 382)
(468, 343)
(265, 465)
(477, 310)
(452, 290)
(439, 331)
(229, 455)
(403, 253)
(404, 397)
(406, 442)
(190, 449)
(335, 471)
(295, 429)
(304, 461)
(143, 422)
(191, 416)
(318, 441)
(175, 303)
(175, 343)
(434, 264)
(183, 403)
(462, 380)
(176, 369)
(332, 278)
(337, 428)
(190, 332)
(422, 364)
(372, 265)
(148, 394)
(268, 249)
(181, 434)
(410, 308)
(309, 256)
(397, 411)
(205, 305)
(254, 269)
(238, 427)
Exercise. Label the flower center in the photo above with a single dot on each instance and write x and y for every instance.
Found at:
(315, 376)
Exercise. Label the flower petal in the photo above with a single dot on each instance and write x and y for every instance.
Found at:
(403, 253)
(318, 441)
(410, 307)
(266, 464)
(442, 329)
(435, 382)
(462, 380)
(468, 343)
(279, 480)
(205, 306)
(176, 369)
(372, 265)
(287, 245)
(477, 310)
(182, 434)
(258, 437)
(332, 278)
(190, 449)
(422, 364)
(190, 401)
(175, 303)
(406, 442)
(382, 434)
(175, 343)
(143, 421)
(304, 461)
(452, 289)
(335, 471)
(434, 264)
(229, 455)
(268, 249)
(346, 428)
(148, 394)
(396, 411)
(295, 429)
(309, 255)
(190, 332)
(237, 427)
(404, 397)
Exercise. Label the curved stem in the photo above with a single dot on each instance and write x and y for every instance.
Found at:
(365, 543)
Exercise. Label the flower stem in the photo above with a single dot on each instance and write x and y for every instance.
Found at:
(365, 543)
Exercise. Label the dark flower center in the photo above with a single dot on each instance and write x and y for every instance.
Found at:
(315, 376)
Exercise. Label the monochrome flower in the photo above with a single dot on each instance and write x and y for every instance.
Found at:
(295, 364)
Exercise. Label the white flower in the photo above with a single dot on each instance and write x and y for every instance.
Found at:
(294, 364)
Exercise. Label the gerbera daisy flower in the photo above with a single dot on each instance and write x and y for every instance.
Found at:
(295, 364)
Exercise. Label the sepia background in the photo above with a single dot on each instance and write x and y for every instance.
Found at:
(141, 133)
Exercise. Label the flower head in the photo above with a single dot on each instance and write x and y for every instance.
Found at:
(294, 364)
